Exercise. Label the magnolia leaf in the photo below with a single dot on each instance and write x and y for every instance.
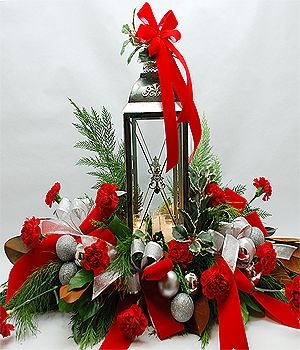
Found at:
(15, 248)
(71, 296)
(81, 278)
(180, 233)
(63, 306)
(195, 247)
(201, 316)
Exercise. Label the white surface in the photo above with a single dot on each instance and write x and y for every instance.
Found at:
(244, 60)
(262, 334)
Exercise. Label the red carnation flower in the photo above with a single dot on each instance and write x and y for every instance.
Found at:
(107, 199)
(31, 233)
(216, 282)
(263, 186)
(217, 194)
(179, 252)
(292, 292)
(5, 328)
(132, 322)
(267, 255)
(53, 195)
(96, 257)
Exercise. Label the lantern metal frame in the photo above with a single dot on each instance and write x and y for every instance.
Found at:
(132, 113)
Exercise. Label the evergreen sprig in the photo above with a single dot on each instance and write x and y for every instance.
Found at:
(204, 159)
(35, 297)
(108, 154)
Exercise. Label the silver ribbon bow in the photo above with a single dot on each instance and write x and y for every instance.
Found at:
(142, 256)
(239, 236)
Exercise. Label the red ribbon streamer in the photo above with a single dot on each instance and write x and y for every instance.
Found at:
(158, 308)
(254, 220)
(159, 36)
(277, 309)
(41, 255)
(231, 326)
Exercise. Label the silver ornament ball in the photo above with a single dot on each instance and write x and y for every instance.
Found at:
(66, 248)
(182, 307)
(192, 282)
(256, 235)
(169, 285)
(66, 272)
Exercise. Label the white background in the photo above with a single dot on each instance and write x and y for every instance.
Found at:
(244, 61)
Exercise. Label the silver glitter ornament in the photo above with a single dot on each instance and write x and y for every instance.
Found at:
(169, 285)
(256, 235)
(182, 307)
(192, 282)
(66, 248)
(66, 272)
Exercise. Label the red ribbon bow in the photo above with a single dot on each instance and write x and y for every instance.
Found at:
(159, 36)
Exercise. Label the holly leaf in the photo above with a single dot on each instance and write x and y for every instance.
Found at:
(180, 233)
(126, 29)
(132, 54)
(82, 278)
(205, 237)
(195, 247)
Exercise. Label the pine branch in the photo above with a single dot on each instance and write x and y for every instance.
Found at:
(35, 289)
(107, 154)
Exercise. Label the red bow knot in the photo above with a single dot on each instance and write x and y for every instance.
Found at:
(160, 37)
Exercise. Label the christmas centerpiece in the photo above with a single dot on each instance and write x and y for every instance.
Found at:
(163, 243)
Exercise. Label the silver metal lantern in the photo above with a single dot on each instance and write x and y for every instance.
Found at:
(148, 185)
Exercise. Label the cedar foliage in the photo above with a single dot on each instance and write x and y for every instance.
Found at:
(99, 138)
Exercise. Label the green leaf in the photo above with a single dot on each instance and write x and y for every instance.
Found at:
(195, 247)
(245, 312)
(126, 29)
(132, 54)
(125, 43)
(250, 302)
(180, 233)
(205, 237)
(138, 234)
(89, 309)
(121, 231)
(81, 278)
(187, 220)
(63, 306)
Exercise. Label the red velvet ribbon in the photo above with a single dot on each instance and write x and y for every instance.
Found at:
(277, 309)
(158, 308)
(235, 200)
(159, 36)
(232, 333)
(114, 339)
(41, 255)
(254, 220)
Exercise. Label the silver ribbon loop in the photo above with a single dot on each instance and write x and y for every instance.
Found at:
(72, 213)
(151, 253)
(235, 237)
(284, 251)
(136, 251)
